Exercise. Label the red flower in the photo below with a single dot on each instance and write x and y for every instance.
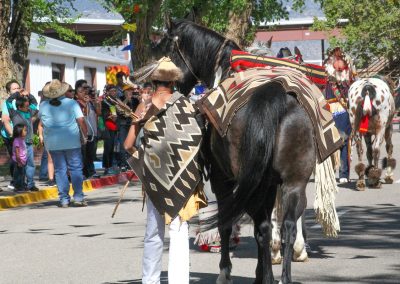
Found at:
(136, 8)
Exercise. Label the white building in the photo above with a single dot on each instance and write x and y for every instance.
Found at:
(66, 62)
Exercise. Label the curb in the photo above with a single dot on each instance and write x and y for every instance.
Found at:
(17, 200)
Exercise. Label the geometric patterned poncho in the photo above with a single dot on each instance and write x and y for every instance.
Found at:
(167, 161)
(221, 104)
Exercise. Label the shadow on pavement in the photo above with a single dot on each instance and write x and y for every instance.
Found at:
(195, 277)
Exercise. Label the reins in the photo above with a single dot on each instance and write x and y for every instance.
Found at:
(189, 66)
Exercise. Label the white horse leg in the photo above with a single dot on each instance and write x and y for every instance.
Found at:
(374, 174)
(389, 163)
(276, 221)
(300, 253)
(224, 277)
(276, 237)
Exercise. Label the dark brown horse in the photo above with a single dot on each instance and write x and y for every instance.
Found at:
(269, 144)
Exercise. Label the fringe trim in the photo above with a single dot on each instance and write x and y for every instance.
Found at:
(324, 204)
(211, 236)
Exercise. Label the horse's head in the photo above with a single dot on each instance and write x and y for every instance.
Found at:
(196, 50)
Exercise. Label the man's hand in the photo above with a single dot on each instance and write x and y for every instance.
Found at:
(24, 92)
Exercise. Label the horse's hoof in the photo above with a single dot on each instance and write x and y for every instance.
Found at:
(377, 185)
(374, 174)
(276, 261)
(224, 277)
(360, 185)
(388, 180)
(303, 257)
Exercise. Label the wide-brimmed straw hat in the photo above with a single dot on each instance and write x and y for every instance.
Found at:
(163, 70)
(56, 89)
(45, 90)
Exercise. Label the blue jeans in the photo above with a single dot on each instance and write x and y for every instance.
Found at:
(44, 172)
(70, 160)
(30, 166)
(19, 177)
(344, 169)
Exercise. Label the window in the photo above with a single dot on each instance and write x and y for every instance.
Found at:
(57, 71)
(90, 76)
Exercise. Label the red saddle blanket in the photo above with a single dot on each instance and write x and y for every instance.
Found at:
(241, 60)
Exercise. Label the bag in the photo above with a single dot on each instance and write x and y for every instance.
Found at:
(111, 125)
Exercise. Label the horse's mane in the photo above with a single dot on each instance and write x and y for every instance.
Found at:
(201, 47)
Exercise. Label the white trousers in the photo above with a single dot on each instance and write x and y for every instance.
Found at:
(178, 257)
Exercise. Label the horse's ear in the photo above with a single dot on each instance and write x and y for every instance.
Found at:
(168, 22)
(269, 42)
(191, 16)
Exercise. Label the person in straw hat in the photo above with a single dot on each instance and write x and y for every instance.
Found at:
(62, 120)
(167, 163)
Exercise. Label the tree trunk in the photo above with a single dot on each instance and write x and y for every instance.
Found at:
(14, 41)
(6, 70)
(141, 53)
(239, 26)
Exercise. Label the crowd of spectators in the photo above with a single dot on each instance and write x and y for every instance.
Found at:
(70, 123)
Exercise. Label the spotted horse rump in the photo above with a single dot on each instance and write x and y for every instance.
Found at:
(371, 107)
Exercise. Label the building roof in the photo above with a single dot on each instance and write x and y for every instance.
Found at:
(58, 47)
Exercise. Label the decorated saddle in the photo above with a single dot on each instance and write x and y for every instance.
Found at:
(167, 162)
(221, 104)
(241, 61)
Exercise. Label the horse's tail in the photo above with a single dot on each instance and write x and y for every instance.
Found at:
(368, 92)
(264, 112)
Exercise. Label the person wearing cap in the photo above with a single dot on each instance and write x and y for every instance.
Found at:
(63, 124)
(172, 190)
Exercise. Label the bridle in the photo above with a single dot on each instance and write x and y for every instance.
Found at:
(187, 63)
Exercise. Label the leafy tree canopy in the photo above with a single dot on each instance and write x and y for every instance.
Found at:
(371, 29)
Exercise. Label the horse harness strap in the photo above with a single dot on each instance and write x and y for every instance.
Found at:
(188, 63)
(185, 61)
(221, 48)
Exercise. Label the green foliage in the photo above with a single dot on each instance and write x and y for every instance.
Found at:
(2, 144)
(213, 13)
(372, 30)
(52, 15)
(36, 140)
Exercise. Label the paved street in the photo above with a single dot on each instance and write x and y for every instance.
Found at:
(45, 244)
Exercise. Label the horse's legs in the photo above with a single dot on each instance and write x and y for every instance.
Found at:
(360, 167)
(373, 152)
(300, 253)
(224, 194)
(293, 207)
(259, 268)
(389, 162)
(276, 220)
(262, 229)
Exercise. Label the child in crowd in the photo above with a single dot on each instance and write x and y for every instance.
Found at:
(19, 156)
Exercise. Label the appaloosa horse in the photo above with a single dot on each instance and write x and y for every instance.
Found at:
(269, 144)
(372, 109)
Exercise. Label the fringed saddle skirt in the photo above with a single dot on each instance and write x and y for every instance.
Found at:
(167, 163)
(241, 60)
(221, 104)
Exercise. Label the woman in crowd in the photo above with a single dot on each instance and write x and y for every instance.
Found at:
(62, 121)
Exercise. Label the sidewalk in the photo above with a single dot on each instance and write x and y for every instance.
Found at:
(11, 199)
